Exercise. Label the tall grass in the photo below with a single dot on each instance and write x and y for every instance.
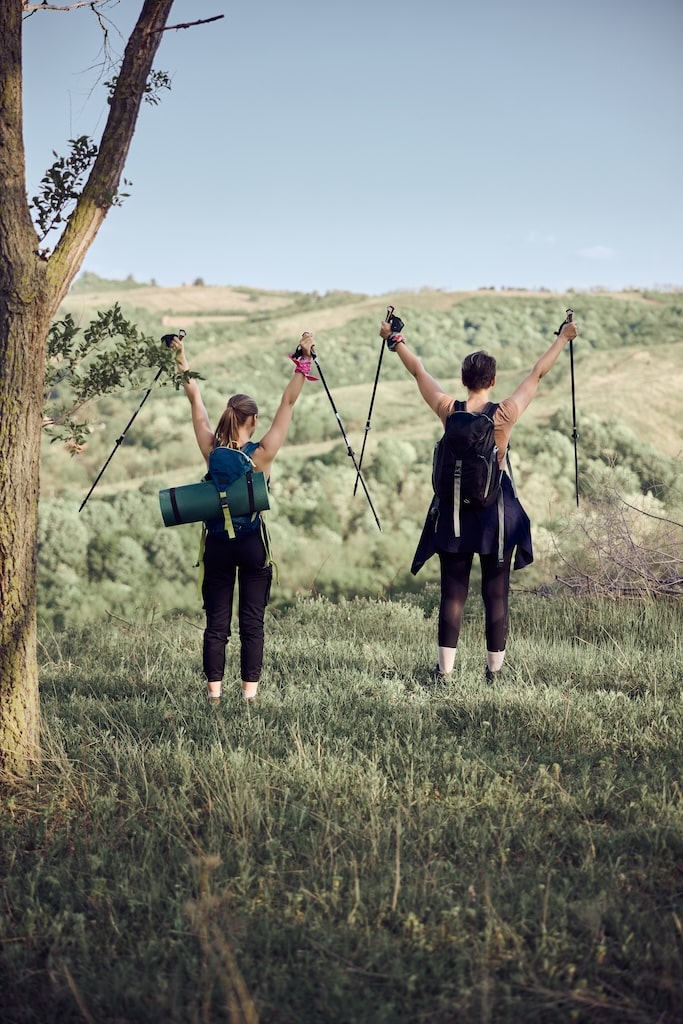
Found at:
(363, 844)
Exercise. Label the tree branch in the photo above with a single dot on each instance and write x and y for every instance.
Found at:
(190, 24)
(650, 515)
(94, 4)
(100, 190)
(32, 8)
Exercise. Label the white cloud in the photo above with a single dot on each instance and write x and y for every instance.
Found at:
(598, 253)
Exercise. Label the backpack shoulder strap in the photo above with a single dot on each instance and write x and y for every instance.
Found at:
(244, 453)
(488, 410)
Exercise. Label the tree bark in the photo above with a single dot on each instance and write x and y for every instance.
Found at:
(31, 289)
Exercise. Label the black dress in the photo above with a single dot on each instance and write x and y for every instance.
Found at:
(478, 530)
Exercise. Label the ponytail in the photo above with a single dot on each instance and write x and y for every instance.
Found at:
(237, 412)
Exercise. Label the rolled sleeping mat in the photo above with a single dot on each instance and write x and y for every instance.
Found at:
(196, 502)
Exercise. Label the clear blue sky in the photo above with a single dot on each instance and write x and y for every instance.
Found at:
(374, 145)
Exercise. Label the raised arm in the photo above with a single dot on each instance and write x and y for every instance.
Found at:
(430, 389)
(274, 438)
(200, 417)
(526, 391)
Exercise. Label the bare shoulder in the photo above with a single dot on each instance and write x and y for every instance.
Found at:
(444, 406)
(261, 459)
(507, 412)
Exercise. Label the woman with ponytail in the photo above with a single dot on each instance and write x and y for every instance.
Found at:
(244, 559)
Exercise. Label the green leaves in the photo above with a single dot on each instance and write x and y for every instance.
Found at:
(108, 356)
(156, 83)
(61, 185)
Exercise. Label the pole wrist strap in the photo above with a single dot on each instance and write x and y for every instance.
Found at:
(303, 366)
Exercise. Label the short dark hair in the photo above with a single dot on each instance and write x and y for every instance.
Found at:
(478, 371)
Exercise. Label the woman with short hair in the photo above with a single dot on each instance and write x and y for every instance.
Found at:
(495, 537)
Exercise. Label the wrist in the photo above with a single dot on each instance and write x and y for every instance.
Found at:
(394, 340)
(302, 365)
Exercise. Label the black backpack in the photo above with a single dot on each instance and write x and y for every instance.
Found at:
(465, 467)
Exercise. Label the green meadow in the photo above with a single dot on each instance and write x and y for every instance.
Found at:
(363, 844)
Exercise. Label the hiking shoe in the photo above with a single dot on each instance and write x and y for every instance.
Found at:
(437, 676)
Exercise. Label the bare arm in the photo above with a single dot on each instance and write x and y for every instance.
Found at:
(274, 438)
(200, 417)
(526, 391)
(430, 389)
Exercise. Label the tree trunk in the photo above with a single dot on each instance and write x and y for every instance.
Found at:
(31, 288)
(23, 329)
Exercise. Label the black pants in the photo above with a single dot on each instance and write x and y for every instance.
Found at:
(224, 561)
(455, 583)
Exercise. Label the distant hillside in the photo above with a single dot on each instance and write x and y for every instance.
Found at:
(629, 353)
(629, 397)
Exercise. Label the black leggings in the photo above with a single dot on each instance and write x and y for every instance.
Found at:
(455, 582)
(223, 562)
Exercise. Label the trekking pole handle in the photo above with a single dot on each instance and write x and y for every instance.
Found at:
(168, 339)
(298, 351)
(394, 321)
(567, 320)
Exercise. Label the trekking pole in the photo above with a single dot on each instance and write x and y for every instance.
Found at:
(349, 450)
(167, 339)
(575, 435)
(396, 326)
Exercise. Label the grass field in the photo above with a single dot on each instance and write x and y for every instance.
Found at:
(362, 845)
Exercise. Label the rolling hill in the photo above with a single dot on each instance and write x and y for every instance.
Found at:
(629, 399)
